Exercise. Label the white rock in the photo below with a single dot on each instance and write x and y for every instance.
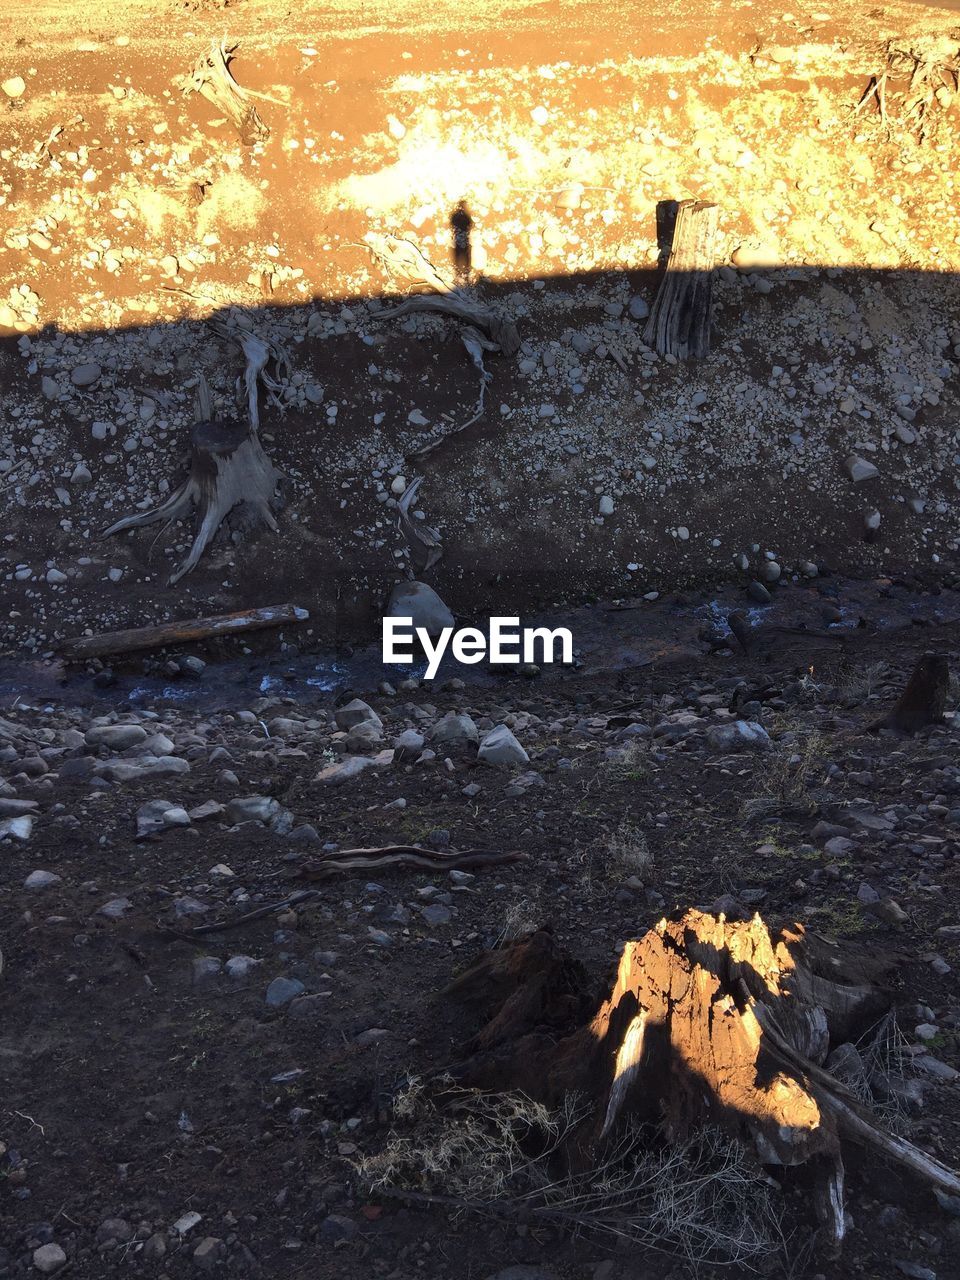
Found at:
(15, 87)
(19, 827)
(606, 505)
(740, 735)
(49, 1258)
(116, 737)
(336, 774)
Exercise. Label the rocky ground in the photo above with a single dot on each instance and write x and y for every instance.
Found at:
(241, 1076)
(823, 427)
(175, 1106)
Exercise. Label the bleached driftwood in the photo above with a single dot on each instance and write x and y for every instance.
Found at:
(211, 77)
(258, 352)
(227, 467)
(424, 541)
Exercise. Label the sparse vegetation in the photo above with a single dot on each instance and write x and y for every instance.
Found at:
(492, 1154)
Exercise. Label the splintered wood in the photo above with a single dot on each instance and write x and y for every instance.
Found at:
(709, 1021)
(679, 323)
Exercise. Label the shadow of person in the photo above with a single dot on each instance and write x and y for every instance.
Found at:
(462, 224)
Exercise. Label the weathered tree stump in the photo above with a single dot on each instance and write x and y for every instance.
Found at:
(709, 1022)
(924, 699)
(228, 467)
(679, 323)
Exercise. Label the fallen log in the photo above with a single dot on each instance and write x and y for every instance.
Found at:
(401, 855)
(186, 632)
(211, 77)
(924, 699)
(679, 323)
(710, 1023)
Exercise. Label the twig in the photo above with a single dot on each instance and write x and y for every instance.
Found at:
(24, 1116)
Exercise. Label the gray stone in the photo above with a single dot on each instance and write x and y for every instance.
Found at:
(85, 375)
(116, 737)
(739, 735)
(158, 815)
(639, 309)
(115, 909)
(282, 990)
(207, 1254)
(144, 767)
(240, 966)
(859, 469)
(114, 1229)
(306, 1007)
(419, 602)
(356, 713)
(436, 913)
(49, 1258)
(454, 728)
(41, 880)
(336, 774)
(252, 809)
(500, 748)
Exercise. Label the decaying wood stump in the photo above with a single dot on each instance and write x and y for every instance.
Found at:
(710, 1021)
(924, 699)
(679, 323)
(228, 467)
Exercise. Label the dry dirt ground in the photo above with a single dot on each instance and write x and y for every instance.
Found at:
(143, 1078)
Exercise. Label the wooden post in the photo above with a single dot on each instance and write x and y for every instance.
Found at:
(679, 323)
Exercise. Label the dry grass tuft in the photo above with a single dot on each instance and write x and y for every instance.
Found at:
(628, 847)
(494, 1154)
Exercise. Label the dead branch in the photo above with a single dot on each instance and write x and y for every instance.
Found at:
(424, 541)
(406, 263)
(258, 352)
(502, 333)
(228, 467)
(401, 855)
(186, 632)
